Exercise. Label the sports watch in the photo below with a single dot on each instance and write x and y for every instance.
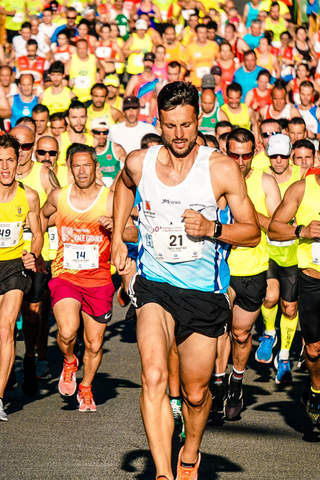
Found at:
(217, 229)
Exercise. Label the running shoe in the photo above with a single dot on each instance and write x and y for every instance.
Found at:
(313, 407)
(85, 399)
(218, 394)
(42, 369)
(301, 363)
(12, 381)
(3, 415)
(283, 370)
(233, 404)
(185, 473)
(176, 407)
(67, 383)
(123, 298)
(264, 351)
(30, 382)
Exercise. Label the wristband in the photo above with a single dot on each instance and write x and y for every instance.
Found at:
(34, 255)
(298, 230)
(217, 229)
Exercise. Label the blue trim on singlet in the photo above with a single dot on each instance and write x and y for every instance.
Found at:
(147, 88)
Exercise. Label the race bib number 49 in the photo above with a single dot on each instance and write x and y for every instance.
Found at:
(9, 234)
(173, 245)
(80, 257)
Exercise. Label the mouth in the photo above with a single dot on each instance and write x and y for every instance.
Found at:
(180, 144)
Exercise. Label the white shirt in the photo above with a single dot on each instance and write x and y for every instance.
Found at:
(47, 29)
(20, 45)
(130, 137)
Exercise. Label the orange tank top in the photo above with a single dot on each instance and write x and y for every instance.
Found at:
(261, 101)
(84, 244)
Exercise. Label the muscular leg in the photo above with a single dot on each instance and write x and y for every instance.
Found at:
(288, 327)
(9, 308)
(312, 357)
(242, 323)
(155, 332)
(31, 325)
(93, 339)
(42, 341)
(67, 313)
(197, 355)
(269, 308)
(223, 353)
(173, 367)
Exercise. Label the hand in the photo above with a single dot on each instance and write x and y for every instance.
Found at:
(311, 231)
(149, 119)
(99, 174)
(29, 261)
(119, 257)
(40, 265)
(106, 222)
(197, 225)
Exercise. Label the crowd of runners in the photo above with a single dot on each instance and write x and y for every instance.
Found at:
(176, 144)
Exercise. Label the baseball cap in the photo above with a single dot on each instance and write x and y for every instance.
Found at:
(208, 81)
(279, 145)
(149, 56)
(99, 122)
(216, 70)
(112, 80)
(130, 102)
(46, 77)
(141, 24)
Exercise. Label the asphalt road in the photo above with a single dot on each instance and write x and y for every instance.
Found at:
(46, 437)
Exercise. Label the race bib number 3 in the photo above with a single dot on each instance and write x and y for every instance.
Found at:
(316, 253)
(80, 257)
(9, 234)
(173, 245)
(53, 238)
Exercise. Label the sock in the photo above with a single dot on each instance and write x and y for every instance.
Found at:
(188, 465)
(74, 361)
(288, 329)
(269, 317)
(174, 398)
(315, 391)
(218, 378)
(237, 375)
(82, 387)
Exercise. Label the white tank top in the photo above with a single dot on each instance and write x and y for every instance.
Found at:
(166, 252)
(284, 114)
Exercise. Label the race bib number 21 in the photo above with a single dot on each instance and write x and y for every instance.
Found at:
(173, 245)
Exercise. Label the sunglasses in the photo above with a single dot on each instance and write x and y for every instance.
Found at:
(71, 18)
(25, 147)
(52, 153)
(283, 157)
(97, 132)
(244, 156)
(269, 134)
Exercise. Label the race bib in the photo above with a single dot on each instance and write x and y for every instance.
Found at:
(62, 56)
(18, 18)
(53, 238)
(122, 30)
(138, 60)
(146, 109)
(80, 257)
(172, 244)
(202, 71)
(164, 15)
(9, 234)
(288, 243)
(103, 52)
(316, 253)
(82, 82)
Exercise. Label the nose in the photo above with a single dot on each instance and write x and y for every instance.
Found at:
(178, 132)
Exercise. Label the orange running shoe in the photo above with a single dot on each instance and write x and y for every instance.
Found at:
(85, 399)
(67, 383)
(184, 473)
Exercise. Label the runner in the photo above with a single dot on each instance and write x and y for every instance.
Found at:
(14, 258)
(82, 259)
(163, 286)
(259, 96)
(309, 111)
(268, 128)
(63, 51)
(297, 129)
(57, 97)
(209, 109)
(40, 115)
(108, 51)
(303, 153)
(32, 63)
(279, 108)
(58, 124)
(135, 47)
(100, 108)
(112, 82)
(22, 104)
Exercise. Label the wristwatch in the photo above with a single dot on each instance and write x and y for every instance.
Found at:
(298, 230)
(217, 229)
(34, 255)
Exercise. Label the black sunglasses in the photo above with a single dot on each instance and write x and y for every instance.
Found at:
(52, 153)
(25, 147)
(269, 134)
(97, 132)
(71, 18)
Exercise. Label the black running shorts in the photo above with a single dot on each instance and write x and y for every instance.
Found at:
(192, 310)
(40, 282)
(250, 291)
(13, 276)
(309, 308)
(288, 278)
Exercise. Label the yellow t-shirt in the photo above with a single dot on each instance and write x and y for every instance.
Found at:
(66, 142)
(135, 60)
(56, 103)
(201, 59)
(242, 119)
(105, 114)
(261, 160)
(83, 75)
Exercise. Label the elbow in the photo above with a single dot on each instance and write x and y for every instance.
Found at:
(272, 233)
(255, 236)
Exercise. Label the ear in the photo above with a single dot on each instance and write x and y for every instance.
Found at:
(200, 118)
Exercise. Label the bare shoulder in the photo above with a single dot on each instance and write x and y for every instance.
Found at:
(32, 195)
(223, 166)
(53, 197)
(134, 161)
(268, 181)
(296, 190)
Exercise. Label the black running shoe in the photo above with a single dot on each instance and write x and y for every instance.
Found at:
(313, 407)
(218, 394)
(233, 404)
(30, 382)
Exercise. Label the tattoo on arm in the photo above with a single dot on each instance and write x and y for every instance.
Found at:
(54, 182)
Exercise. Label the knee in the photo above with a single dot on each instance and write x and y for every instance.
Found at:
(289, 310)
(67, 335)
(241, 337)
(272, 298)
(30, 312)
(6, 334)
(195, 398)
(312, 350)
(154, 378)
(93, 346)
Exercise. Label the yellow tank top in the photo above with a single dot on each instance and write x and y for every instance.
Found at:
(119, 66)
(105, 114)
(268, 66)
(245, 261)
(33, 181)
(135, 60)
(84, 76)
(66, 142)
(62, 175)
(12, 219)
(242, 118)
(309, 250)
(56, 103)
(261, 160)
(277, 29)
(118, 104)
(285, 253)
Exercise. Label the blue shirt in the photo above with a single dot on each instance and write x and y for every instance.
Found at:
(248, 80)
(54, 38)
(252, 41)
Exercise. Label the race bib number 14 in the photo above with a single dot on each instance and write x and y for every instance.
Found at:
(80, 257)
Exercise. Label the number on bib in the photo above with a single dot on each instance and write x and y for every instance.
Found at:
(9, 234)
(80, 257)
(173, 245)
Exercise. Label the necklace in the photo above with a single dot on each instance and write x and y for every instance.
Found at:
(19, 174)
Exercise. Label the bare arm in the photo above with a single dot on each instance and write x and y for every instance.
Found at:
(248, 98)
(294, 112)
(130, 233)
(35, 227)
(49, 208)
(222, 115)
(254, 123)
(5, 111)
(117, 115)
(126, 47)
(273, 199)
(131, 86)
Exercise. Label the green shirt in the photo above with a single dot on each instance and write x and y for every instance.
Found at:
(14, 23)
(109, 164)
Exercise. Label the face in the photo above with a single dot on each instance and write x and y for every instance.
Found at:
(41, 120)
(179, 129)
(208, 99)
(202, 35)
(26, 137)
(26, 85)
(306, 94)
(193, 21)
(100, 134)
(47, 17)
(47, 151)
(303, 157)
(114, 32)
(169, 36)
(243, 149)
(56, 78)
(173, 74)
(83, 30)
(297, 132)
(99, 96)
(8, 166)
(222, 130)
(119, 4)
(62, 40)
(302, 72)
(105, 33)
(234, 99)
(5, 77)
(274, 12)
(160, 53)
(217, 79)
(26, 33)
(34, 27)
(301, 35)
(225, 52)
(278, 99)
(263, 82)
(211, 34)
(284, 40)
(262, 16)
(147, 65)
(112, 92)
(58, 127)
(83, 169)
(263, 45)
(77, 119)
(250, 62)
(71, 19)
(256, 30)
(131, 114)
(229, 33)
(266, 132)
(32, 50)
(82, 49)
(279, 163)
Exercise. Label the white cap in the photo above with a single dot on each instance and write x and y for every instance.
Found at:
(99, 122)
(141, 24)
(279, 145)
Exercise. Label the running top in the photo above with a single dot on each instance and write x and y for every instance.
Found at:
(144, 90)
(12, 219)
(311, 119)
(276, 28)
(84, 76)
(105, 115)
(209, 121)
(135, 60)
(166, 253)
(242, 119)
(110, 165)
(66, 142)
(56, 103)
(21, 109)
(260, 101)
(284, 114)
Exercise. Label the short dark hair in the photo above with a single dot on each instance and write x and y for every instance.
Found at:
(8, 141)
(80, 148)
(241, 135)
(212, 139)
(225, 42)
(83, 40)
(201, 135)
(279, 84)
(283, 122)
(297, 121)
(57, 67)
(268, 121)
(232, 26)
(224, 137)
(150, 138)
(25, 121)
(58, 116)
(212, 25)
(105, 25)
(32, 42)
(65, 32)
(26, 25)
(286, 33)
(264, 72)
(234, 87)
(72, 9)
(76, 105)
(200, 25)
(274, 4)
(222, 124)
(99, 85)
(304, 143)
(249, 52)
(174, 64)
(178, 94)
(306, 83)
(48, 9)
(40, 109)
(85, 22)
